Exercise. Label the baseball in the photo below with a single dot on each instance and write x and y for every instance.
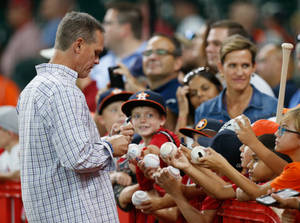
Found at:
(174, 172)
(196, 153)
(138, 197)
(167, 149)
(134, 151)
(151, 160)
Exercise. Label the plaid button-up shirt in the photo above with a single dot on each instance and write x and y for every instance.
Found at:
(64, 163)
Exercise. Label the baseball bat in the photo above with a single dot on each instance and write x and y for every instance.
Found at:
(286, 52)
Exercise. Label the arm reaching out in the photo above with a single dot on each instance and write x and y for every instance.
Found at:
(248, 137)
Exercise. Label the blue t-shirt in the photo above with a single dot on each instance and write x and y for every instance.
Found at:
(261, 106)
(168, 92)
(290, 89)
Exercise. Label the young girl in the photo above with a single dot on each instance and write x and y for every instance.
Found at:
(200, 85)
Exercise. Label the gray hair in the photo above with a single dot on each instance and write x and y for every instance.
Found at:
(75, 25)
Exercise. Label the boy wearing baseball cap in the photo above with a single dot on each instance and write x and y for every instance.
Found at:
(148, 116)
(109, 108)
(9, 140)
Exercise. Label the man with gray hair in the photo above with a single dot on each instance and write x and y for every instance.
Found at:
(64, 163)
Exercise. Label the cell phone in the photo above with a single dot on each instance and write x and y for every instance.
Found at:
(269, 200)
(116, 80)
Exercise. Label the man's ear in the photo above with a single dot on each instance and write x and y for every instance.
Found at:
(77, 45)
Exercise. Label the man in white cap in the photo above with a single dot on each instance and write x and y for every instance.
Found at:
(9, 140)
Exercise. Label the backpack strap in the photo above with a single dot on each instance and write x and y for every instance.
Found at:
(170, 137)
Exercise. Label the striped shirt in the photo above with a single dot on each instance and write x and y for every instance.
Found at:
(64, 163)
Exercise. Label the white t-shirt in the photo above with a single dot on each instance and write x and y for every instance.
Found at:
(10, 161)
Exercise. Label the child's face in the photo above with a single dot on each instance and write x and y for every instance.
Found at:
(246, 155)
(287, 142)
(111, 114)
(146, 120)
(201, 90)
(259, 171)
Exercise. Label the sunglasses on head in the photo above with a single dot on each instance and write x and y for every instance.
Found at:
(191, 74)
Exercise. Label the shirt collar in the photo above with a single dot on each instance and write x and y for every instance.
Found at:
(59, 69)
(254, 102)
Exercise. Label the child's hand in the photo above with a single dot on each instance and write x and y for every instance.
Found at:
(186, 151)
(127, 130)
(179, 160)
(241, 195)
(288, 202)
(182, 100)
(245, 133)
(168, 182)
(148, 171)
(150, 149)
(289, 216)
(150, 205)
(212, 160)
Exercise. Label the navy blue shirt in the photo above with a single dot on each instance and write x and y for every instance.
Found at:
(261, 106)
(290, 90)
(168, 92)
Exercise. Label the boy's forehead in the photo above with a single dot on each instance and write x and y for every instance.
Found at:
(114, 104)
(143, 109)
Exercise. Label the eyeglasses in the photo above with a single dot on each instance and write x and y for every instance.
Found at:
(160, 52)
(191, 74)
(282, 130)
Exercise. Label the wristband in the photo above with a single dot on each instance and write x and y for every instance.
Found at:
(110, 146)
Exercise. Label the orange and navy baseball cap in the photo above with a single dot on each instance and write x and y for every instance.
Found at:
(264, 126)
(111, 95)
(144, 98)
(207, 127)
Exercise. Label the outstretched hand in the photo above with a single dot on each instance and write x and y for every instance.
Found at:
(178, 159)
(245, 133)
(212, 160)
(183, 103)
(168, 182)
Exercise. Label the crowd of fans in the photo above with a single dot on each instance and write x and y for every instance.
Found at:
(208, 84)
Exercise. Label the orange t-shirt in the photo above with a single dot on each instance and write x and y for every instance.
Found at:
(9, 92)
(289, 178)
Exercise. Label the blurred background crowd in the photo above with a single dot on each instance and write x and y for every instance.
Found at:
(27, 26)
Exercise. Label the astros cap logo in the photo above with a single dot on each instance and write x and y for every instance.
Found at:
(142, 96)
(201, 124)
(116, 91)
